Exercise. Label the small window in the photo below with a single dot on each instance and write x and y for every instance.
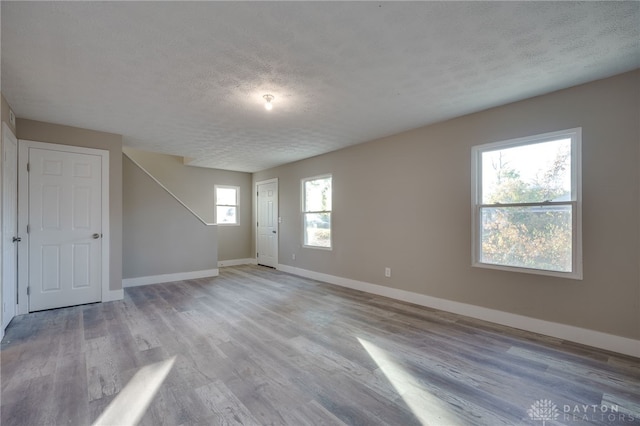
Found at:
(316, 211)
(527, 204)
(227, 204)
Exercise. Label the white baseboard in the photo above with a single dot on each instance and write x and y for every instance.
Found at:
(236, 262)
(112, 295)
(571, 333)
(166, 278)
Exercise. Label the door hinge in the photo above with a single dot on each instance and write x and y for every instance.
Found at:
(257, 254)
(28, 168)
(28, 229)
(28, 291)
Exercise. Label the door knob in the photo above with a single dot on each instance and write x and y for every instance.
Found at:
(16, 239)
(273, 232)
(95, 236)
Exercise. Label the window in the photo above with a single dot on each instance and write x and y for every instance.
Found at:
(316, 211)
(227, 203)
(527, 204)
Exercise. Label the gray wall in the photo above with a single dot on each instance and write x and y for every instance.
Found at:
(160, 235)
(65, 135)
(194, 186)
(405, 202)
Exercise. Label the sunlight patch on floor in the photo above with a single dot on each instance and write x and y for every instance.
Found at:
(427, 408)
(128, 407)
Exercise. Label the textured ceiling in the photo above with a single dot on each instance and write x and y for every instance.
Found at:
(188, 78)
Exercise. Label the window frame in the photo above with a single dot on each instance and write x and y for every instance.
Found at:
(237, 205)
(304, 212)
(575, 135)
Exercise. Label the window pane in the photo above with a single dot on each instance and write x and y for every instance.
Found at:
(225, 214)
(317, 229)
(226, 196)
(528, 237)
(317, 195)
(527, 174)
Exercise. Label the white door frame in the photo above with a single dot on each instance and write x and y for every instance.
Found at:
(6, 134)
(23, 215)
(255, 215)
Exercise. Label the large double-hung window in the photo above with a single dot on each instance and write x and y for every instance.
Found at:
(527, 204)
(316, 211)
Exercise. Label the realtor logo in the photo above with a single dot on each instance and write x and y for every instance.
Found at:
(544, 410)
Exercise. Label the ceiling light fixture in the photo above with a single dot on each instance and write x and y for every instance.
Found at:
(268, 105)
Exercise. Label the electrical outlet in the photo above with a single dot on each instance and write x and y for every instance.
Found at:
(387, 272)
(293, 256)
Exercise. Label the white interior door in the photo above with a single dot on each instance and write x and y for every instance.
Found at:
(65, 228)
(9, 225)
(267, 212)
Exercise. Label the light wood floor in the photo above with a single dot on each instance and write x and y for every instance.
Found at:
(255, 346)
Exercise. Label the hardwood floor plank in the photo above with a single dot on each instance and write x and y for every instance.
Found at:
(103, 378)
(225, 406)
(312, 414)
(143, 332)
(602, 375)
(22, 405)
(94, 322)
(173, 406)
(72, 401)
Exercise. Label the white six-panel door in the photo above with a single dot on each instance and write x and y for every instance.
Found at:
(65, 209)
(267, 212)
